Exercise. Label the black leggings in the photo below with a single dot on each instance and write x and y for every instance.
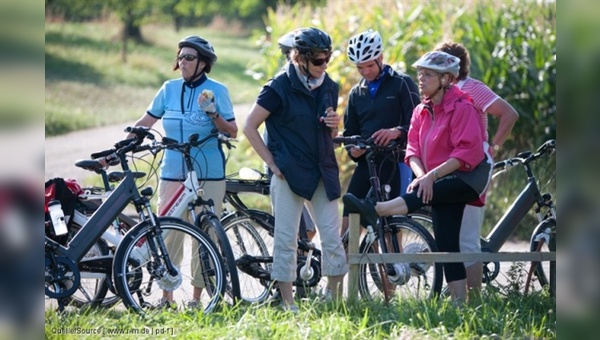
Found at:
(360, 183)
(450, 195)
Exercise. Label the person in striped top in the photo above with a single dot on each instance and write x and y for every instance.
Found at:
(487, 102)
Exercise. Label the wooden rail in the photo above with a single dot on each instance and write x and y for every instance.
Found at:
(355, 258)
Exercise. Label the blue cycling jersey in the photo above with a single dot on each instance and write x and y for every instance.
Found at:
(182, 117)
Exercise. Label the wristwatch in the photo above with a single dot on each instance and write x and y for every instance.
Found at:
(496, 147)
(213, 115)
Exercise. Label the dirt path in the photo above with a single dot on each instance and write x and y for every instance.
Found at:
(63, 151)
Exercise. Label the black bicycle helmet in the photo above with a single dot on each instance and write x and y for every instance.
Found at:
(201, 45)
(312, 40)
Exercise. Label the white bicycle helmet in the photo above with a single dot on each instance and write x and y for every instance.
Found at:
(365, 46)
(439, 61)
(287, 40)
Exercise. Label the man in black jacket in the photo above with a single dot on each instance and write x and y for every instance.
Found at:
(380, 106)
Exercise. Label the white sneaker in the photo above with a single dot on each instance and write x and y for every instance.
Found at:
(325, 295)
(193, 305)
(289, 308)
(165, 304)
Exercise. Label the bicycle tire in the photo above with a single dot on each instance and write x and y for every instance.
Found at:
(540, 269)
(263, 219)
(425, 280)
(211, 225)
(248, 237)
(135, 269)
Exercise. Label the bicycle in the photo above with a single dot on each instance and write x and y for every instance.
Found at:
(142, 261)
(393, 234)
(253, 258)
(543, 237)
(189, 196)
(94, 288)
(250, 231)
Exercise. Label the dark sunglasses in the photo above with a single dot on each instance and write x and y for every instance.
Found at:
(188, 57)
(320, 61)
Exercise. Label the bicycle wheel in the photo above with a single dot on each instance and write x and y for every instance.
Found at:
(140, 272)
(96, 291)
(423, 217)
(421, 280)
(249, 237)
(94, 287)
(543, 239)
(210, 224)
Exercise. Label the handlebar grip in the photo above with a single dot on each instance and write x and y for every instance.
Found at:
(348, 139)
(551, 143)
(499, 165)
(140, 131)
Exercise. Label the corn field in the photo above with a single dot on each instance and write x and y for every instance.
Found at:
(512, 45)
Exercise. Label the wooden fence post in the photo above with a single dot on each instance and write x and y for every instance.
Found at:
(353, 238)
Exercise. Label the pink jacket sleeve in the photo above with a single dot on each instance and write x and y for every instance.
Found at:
(413, 146)
(467, 136)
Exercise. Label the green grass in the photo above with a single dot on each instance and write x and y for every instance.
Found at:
(88, 85)
(530, 317)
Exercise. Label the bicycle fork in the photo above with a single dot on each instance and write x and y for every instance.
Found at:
(169, 277)
(541, 239)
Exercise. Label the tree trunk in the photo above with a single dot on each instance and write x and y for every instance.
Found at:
(124, 48)
(132, 31)
(178, 22)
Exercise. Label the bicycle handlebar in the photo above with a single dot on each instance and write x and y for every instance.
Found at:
(362, 143)
(527, 156)
(140, 132)
(127, 145)
(169, 143)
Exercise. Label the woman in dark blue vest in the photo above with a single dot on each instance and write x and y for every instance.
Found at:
(298, 106)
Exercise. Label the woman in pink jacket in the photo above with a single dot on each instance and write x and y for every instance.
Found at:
(445, 151)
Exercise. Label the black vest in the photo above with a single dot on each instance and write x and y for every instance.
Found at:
(302, 147)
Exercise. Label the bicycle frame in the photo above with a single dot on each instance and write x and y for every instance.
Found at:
(112, 237)
(380, 195)
(101, 219)
(529, 197)
(126, 192)
(188, 191)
